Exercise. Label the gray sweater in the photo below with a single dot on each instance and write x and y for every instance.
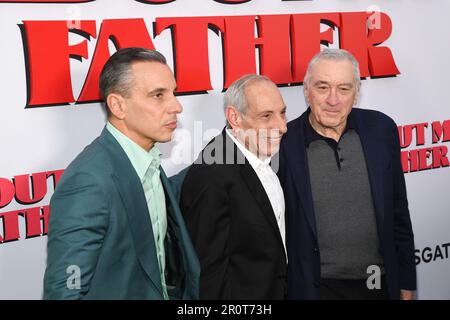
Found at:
(344, 211)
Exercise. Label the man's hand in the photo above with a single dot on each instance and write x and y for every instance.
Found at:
(407, 295)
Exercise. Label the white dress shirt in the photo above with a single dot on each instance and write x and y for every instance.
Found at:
(270, 182)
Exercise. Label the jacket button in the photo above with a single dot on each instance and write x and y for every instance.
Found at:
(316, 284)
(316, 249)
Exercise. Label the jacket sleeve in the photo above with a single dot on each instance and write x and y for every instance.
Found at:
(78, 224)
(403, 233)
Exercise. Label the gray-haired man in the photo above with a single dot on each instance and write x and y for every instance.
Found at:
(348, 226)
(232, 200)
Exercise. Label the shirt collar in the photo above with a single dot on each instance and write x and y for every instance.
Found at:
(254, 161)
(140, 158)
(312, 135)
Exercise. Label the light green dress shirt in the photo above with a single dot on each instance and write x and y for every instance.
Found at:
(146, 164)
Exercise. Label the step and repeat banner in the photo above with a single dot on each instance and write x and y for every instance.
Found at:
(52, 53)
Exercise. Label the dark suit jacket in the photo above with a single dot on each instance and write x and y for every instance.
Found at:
(233, 227)
(100, 223)
(380, 142)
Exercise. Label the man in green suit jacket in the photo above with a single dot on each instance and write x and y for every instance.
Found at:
(116, 231)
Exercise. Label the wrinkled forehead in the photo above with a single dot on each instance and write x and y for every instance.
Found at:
(264, 96)
(333, 72)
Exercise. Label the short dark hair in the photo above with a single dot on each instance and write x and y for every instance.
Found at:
(115, 75)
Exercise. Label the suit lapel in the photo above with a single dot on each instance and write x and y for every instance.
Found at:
(255, 186)
(259, 194)
(132, 195)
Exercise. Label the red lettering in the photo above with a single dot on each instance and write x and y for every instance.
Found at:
(274, 44)
(10, 226)
(307, 37)
(123, 33)
(30, 189)
(441, 131)
(280, 39)
(410, 161)
(36, 220)
(440, 158)
(374, 60)
(48, 54)
(424, 154)
(418, 159)
(406, 132)
(405, 135)
(239, 48)
(26, 188)
(420, 133)
(239, 43)
(191, 77)
(6, 192)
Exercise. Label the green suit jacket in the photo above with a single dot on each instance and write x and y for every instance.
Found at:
(100, 239)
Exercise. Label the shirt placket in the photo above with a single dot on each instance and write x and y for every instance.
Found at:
(153, 184)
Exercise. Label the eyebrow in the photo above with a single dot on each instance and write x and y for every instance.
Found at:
(320, 82)
(159, 90)
(271, 111)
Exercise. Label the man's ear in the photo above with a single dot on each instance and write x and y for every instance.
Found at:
(117, 105)
(232, 116)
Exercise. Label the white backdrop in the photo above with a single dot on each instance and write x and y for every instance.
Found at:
(45, 139)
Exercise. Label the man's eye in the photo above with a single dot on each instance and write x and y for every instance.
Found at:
(158, 95)
(345, 90)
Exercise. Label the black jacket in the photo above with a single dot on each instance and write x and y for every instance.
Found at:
(381, 146)
(232, 226)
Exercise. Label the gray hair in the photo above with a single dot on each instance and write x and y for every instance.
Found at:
(115, 76)
(335, 55)
(236, 94)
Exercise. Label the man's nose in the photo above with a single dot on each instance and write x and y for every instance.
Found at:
(281, 124)
(333, 98)
(176, 105)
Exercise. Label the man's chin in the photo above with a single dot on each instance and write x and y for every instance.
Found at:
(269, 153)
(329, 123)
(274, 151)
(166, 138)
